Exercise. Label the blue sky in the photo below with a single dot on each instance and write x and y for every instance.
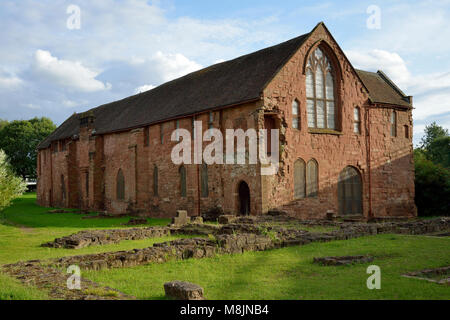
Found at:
(123, 47)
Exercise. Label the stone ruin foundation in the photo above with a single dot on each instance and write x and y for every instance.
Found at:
(343, 260)
(243, 234)
(437, 275)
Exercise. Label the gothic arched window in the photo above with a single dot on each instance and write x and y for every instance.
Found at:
(204, 179)
(155, 181)
(312, 178)
(120, 185)
(295, 115)
(299, 179)
(320, 93)
(182, 172)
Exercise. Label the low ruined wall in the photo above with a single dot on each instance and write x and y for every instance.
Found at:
(231, 240)
(100, 237)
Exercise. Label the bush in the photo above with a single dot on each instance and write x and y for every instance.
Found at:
(432, 183)
(11, 186)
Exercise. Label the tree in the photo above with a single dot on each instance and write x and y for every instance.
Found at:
(439, 151)
(432, 183)
(3, 123)
(432, 132)
(19, 140)
(432, 172)
(11, 186)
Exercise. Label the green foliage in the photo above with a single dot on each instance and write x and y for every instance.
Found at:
(439, 151)
(432, 183)
(3, 123)
(10, 186)
(432, 132)
(432, 172)
(19, 140)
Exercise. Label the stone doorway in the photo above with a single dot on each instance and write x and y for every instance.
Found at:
(244, 198)
(350, 192)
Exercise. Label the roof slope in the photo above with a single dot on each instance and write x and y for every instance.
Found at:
(220, 85)
(382, 89)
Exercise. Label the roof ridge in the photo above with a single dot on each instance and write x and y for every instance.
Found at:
(390, 82)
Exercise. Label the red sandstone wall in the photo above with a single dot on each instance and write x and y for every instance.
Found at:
(103, 156)
(391, 180)
(335, 151)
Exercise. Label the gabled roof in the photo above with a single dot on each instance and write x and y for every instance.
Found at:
(224, 84)
(382, 90)
(221, 85)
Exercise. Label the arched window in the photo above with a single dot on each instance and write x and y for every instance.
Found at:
(204, 175)
(311, 178)
(155, 180)
(295, 115)
(394, 123)
(299, 179)
(120, 186)
(350, 191)
(63, 189)
(182, 172)
(357, 120)
(320, 93)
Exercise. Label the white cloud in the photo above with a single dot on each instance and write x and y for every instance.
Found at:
(172, 66)
(9, 81)
(431, 105)
(32, 106)
(389, 62)
(431, 91)
(65, 73)
(144, 88)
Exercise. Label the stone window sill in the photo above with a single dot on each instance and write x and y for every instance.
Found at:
(324, 131)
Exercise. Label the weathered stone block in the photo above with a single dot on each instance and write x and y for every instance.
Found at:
(181, 218)
(197, 219)
(226, 219)
(181, 290)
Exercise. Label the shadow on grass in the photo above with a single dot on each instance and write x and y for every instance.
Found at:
(24, 212)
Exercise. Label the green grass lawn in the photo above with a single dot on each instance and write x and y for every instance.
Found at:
(289, 273)
(277, 274)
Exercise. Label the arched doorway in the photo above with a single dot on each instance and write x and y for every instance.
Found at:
(244, 198)
(350, 192)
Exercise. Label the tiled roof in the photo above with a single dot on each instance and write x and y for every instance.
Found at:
(224, 84)
(382, 90)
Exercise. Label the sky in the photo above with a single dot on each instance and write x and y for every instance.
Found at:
(59, 57)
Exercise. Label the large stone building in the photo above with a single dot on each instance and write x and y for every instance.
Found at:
(345, 141)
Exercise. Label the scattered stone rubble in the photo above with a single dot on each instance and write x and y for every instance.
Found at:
(101, 237)
(181, 290)
(344, 260)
